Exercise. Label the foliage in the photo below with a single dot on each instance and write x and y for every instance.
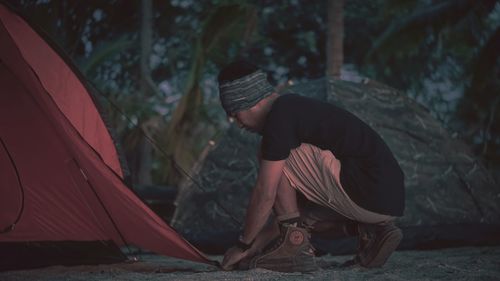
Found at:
(458, 41)
(444, 53)
(227, 28)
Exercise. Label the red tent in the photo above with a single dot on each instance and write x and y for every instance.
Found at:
(62, 196)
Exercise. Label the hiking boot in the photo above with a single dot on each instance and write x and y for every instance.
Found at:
(376, 243)
(291, 252)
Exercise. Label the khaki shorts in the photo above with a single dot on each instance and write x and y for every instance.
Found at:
(316, 174)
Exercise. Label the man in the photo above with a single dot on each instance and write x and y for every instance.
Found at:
(322, 154)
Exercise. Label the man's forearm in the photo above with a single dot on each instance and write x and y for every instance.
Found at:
(258, 211)
(262, 200)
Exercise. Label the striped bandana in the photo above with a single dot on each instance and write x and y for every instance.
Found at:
(245, 92)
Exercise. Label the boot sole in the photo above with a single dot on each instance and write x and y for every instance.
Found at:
(386, 247)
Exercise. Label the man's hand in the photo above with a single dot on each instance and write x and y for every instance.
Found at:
(259, 208)
(232, 257)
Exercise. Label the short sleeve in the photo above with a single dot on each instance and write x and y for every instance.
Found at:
(279, 132)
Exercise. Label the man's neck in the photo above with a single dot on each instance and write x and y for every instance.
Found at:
(269, 102)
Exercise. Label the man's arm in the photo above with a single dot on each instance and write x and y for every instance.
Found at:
(263, 197)
(259, 209)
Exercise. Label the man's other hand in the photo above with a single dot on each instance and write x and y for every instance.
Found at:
(232, 257)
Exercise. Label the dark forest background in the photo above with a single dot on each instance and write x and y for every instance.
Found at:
(155, 63)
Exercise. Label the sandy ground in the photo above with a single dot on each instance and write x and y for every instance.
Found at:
(448, 264)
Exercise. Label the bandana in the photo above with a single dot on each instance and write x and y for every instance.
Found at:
(245, 92)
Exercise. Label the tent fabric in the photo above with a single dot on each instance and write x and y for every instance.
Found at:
(59, 176)
(59, 80)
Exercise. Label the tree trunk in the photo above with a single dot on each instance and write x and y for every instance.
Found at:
(146, 42)
(335, 38)
(146, 90)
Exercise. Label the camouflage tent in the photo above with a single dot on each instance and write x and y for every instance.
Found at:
(451, 199)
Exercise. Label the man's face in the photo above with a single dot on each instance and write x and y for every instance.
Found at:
(247, 119)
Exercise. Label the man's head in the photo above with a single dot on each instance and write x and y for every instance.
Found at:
(244, 90)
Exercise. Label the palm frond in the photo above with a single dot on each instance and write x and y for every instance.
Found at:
(412, 30)
(226, 26)
(104, 51)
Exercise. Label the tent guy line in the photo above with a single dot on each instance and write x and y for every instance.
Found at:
(104, 208)
(167, 155)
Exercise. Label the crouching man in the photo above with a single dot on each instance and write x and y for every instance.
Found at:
(321, 170)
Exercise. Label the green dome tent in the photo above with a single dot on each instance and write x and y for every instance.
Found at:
(451, 198)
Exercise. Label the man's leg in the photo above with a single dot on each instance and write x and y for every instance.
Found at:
(285, 208)
(375, 241)
(285, 204)
(316, 174)
(291, 251)
(324, 222)
(321, 221)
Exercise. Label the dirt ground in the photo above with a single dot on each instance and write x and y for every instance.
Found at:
(469, 263)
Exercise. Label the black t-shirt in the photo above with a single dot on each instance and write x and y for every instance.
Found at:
(370, 174)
